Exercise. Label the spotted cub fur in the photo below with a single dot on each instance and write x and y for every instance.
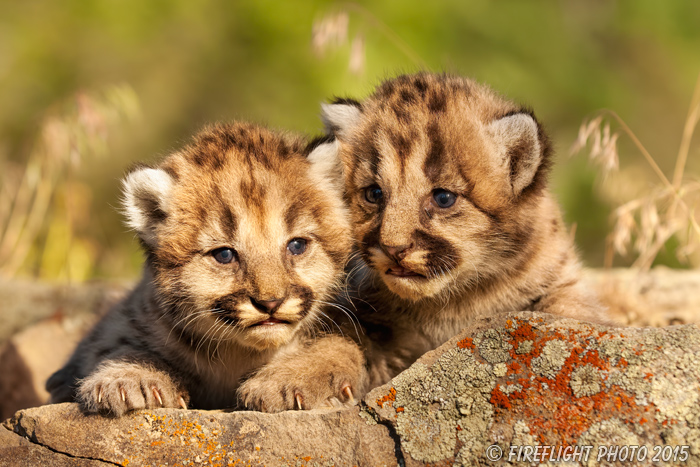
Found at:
(447, 187)
(245, 237)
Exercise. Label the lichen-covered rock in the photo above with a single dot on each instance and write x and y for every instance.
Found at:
(194, 437)
(533, 379)
(509, 382)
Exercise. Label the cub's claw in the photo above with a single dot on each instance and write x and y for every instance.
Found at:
(157, 395)
(182, 403)
(299, 399)
(347, 390)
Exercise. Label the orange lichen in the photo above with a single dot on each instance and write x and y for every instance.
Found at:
(554, 414)
(513, 368)
(389, 398)
(500, 399)
(466, 343)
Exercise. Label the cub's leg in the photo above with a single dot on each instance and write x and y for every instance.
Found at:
(118, 386)
(327, 372)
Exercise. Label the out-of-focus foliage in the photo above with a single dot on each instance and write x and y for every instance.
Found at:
(193, 62)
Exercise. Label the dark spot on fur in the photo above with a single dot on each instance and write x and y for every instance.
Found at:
(254, 193)
(200, 215)
(421, 85)
(226, 307)
(367, 151)
(306, 295)
(555, 226)
(211, 151)
(442, 254)
(437, 102)
(402, 113)
(228, 220)
(385, 89)
(370, 239)
(402, 145)
(407, 97)
(434, 163)
(291, 214)
(282, 149)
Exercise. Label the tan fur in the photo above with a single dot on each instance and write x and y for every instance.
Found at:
(189, 332)
(502, 246)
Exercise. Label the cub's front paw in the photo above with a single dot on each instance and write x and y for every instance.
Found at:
(117, 387)
(329, 372)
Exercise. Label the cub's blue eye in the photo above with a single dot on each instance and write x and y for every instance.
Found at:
(444, 198)
(224, 255)
(296, 246)
(373, 194)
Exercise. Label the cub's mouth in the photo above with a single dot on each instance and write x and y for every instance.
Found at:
(400, 271)
(270, 322)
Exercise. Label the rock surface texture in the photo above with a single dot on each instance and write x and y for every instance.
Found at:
(521, 379)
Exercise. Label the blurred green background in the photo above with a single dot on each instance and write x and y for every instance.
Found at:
(87, 88)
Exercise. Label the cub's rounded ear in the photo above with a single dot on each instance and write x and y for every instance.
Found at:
(323, 153)
(340, 116)
(147, 201)
(520, 152)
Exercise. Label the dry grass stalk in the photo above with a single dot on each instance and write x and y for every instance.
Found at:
(331, 32)
(645, 224)
(64, 140)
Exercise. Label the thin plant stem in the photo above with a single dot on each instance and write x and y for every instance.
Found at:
(388, 32)
(652, 163)
(691, 122)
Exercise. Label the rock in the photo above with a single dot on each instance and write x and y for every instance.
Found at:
(27, 302)
(512, 381)
(44, 322)
(31, 356)
(534, 379)
(169, 436)
(658, 297)
(18, 451)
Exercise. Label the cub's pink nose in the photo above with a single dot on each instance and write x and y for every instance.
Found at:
(397, 252)
(267, 306)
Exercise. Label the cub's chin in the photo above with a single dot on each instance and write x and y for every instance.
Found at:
(268, 335)
(411, 283)
(414, 288)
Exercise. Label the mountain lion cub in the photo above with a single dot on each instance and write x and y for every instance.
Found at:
(245, 238)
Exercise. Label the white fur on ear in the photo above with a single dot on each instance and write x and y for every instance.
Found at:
(519, 149)
(146, 201)
(326, 164)
(340, 118)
